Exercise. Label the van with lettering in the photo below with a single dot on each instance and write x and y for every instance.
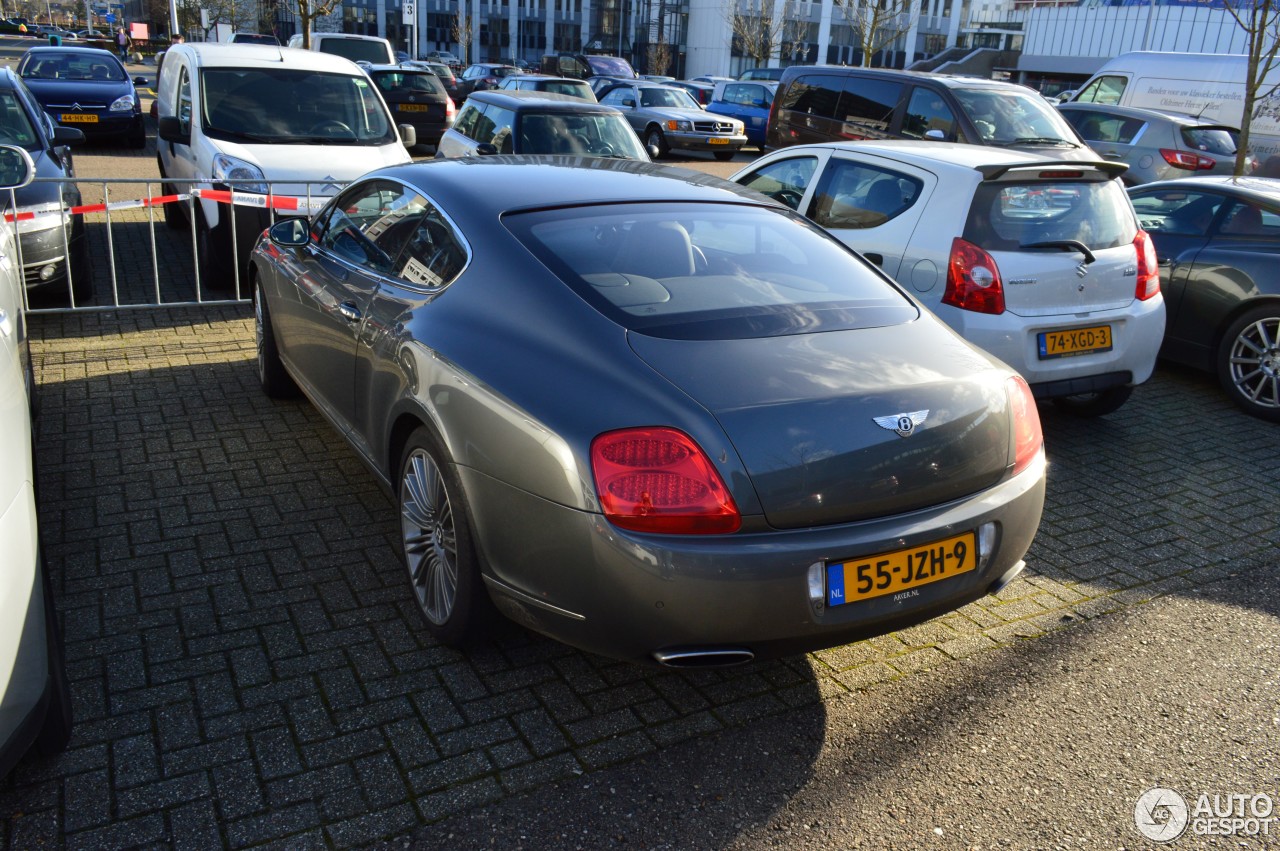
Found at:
(1207, 85)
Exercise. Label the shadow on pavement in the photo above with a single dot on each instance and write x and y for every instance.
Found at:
(239, 627)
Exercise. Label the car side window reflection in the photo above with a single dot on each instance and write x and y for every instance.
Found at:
(466, 123)
(785, 180)
(371, 223)
(1244, 219)
(854, 195)
(493, 125)
(184, 101)
(928, 117)
(434, 255)
(1177, 211)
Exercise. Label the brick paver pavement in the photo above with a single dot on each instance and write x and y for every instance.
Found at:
(248, 665)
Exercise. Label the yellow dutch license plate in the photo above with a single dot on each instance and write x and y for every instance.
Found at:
(1077, 341)
(715, 141)
(894, 572)
(412, 107)
(78, 118)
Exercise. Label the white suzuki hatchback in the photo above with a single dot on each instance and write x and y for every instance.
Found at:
(1041, 263)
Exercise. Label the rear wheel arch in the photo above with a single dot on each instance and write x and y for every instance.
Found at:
(406, 423)
(1220, 332)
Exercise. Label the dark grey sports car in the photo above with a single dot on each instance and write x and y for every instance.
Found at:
(646, 412)
(1217, 240)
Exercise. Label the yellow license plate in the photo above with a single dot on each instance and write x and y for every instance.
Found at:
(78, 118)
(412, 107)
(1077, 341)
(895, 572)
(714, 141)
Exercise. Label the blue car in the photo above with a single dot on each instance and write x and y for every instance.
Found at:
(748, 101)
(86, 88)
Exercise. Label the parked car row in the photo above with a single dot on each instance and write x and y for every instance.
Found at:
(666, 118)
(510, 121)
(53, 250)
(685, 311)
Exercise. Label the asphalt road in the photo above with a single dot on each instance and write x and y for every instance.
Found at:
(1045, 744)
(1142, 651)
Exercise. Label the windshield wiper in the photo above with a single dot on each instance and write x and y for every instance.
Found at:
(1064, 245)
(1042, 140)
(321, 140)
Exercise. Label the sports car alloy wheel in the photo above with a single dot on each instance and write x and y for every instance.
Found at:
(1249, 362)
(430, 540)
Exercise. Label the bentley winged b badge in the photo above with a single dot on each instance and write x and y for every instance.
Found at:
(903, 424)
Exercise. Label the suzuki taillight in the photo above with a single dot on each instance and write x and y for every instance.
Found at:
(1027, 436)
(1187, 160)
(1148, 270)
(658, 480)
(973, 281)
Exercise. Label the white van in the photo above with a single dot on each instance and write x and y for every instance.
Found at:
(357, 48)
(261, 120)
(1207, 85)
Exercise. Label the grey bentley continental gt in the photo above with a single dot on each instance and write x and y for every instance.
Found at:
(647, 412)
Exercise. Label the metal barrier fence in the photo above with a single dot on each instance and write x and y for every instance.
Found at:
(109, 243)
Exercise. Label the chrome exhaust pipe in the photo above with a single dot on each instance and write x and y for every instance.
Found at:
(703, 657)
(1009, 575)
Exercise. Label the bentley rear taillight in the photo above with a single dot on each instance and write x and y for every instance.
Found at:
(1027, 435)
(659, 480)
(973, 280)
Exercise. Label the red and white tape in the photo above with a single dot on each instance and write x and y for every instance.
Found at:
(262, 202)
(221, 196)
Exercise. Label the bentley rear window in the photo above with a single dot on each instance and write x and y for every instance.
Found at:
(710, 271)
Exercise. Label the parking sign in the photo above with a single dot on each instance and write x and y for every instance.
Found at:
(409, 11)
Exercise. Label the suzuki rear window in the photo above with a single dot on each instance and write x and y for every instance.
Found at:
(710, 271)
(1010, 216)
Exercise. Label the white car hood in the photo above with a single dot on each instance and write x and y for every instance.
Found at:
(321, 169)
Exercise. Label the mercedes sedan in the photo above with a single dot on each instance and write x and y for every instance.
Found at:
(651, 414)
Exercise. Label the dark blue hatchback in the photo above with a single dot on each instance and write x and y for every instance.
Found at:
(86, 88)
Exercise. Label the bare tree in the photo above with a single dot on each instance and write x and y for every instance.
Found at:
(463, 25)
(796, 39)
(1260, 20)
(658, 57)
(757, 31)
(308, 12)
(239, 14)
(876, 24)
